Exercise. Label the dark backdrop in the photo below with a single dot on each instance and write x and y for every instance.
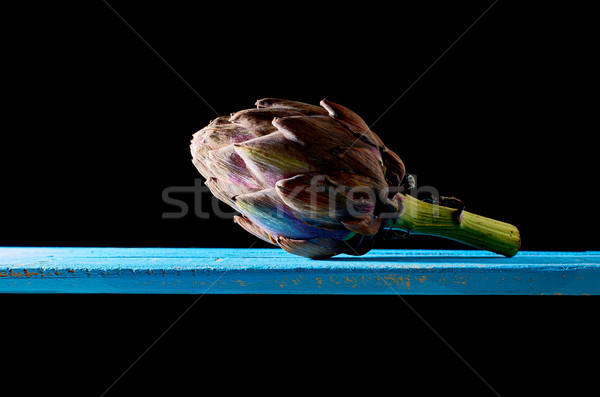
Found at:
(101, 125)
(97, 126)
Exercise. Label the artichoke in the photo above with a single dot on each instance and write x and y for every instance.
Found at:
(317, 182)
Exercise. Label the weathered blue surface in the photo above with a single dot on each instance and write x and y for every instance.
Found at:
(273, 271)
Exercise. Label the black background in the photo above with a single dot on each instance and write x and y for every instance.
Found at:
(97, 125)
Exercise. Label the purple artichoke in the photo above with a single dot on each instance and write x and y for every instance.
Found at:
(317, 182)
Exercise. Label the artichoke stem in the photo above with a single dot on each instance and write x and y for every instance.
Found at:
(419, 217)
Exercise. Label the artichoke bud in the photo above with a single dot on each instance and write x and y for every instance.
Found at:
(310, 179)
(317, 182)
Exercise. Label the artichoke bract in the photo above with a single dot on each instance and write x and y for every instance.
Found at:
(317, 182)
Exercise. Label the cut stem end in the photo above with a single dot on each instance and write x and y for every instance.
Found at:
(419, 217)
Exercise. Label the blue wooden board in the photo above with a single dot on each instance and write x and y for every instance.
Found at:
(273, 271)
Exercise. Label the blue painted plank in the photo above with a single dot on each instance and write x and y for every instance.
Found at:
(273, 271)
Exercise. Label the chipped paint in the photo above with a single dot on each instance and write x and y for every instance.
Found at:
(12, 273)
(242, 283)
(29, 274)
(319, 281)
(270, 271)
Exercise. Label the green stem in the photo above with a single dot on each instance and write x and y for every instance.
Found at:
(419, 217)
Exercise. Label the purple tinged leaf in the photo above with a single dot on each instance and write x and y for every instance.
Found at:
(301, 107)
(227, 165)
(252, 228)
(363, 161)
(221, 120)
(266, 209)
(367, 225)
(308, 130)
(312, 198)
(226, 191)
(199, 155)
(205, 172)
(272, 158)
(223, 135)
(394, 168)
(259, 120)
(314, 248)
(326, 200)
(353, 122)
